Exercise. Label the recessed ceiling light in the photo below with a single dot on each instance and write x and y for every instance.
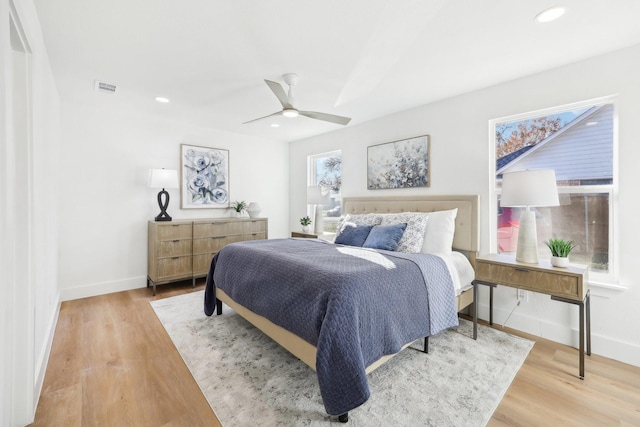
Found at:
(592, 123)
(550, 14)
(274, 125)
(162, 99)
(290, 112)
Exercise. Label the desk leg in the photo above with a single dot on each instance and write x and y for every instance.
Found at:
(491, 305)
(581, 332)
(588, 307)
(475, 296)
(585, 323)
(475, 310)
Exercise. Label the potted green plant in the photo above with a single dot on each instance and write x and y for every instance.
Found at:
(305, 221)
(560, 250)
(238, 208)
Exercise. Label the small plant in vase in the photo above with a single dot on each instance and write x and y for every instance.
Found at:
(238, 208)
(305, 221)
(560, 250)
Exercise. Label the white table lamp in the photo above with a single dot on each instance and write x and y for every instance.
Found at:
(163, 178)
(529, 188)
(318, 196)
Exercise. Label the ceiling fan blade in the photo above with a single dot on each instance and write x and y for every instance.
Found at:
(277, 89)
(279, 113)
(341, 120)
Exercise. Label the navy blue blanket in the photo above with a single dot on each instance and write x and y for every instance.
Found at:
(355, 305)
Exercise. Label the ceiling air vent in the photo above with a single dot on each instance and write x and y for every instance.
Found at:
(105, 87)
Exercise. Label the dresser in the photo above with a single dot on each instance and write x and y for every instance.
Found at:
(183, 249)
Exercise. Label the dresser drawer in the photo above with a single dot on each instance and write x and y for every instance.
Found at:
(202, 263)
(224, 228)
(255, 236)
(211, 229)
(174, 231)
(210, 244)
(214, 244)
(174, 267)
(255, 226)
(172, 248)
(532, 279)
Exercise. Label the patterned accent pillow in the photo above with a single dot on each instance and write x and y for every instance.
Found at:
(413, 236)
(358, 219)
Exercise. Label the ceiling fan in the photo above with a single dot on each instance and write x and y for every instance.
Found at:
(289, 103)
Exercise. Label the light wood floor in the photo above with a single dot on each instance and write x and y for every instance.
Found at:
(112, 364)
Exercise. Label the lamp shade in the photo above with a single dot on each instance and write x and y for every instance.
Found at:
(529, 188)
(163, 178)
(317, 195)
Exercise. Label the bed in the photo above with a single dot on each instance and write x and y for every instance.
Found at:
(346, 320)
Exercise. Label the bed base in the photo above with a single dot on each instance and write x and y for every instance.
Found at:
(425, 346)
(307, 352)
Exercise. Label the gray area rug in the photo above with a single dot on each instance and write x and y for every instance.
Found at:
(249, 380)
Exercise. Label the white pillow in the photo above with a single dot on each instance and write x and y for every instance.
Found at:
(413, 237)
(438, 238)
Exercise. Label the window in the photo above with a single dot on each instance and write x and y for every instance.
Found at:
(578, 144)
(325, 170)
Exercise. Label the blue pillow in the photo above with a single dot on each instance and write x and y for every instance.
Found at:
(385, 237)
(353, 235)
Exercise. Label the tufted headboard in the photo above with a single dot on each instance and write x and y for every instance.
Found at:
(466, 234)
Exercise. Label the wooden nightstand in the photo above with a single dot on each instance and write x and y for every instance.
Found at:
(305, 235)
(568, 285)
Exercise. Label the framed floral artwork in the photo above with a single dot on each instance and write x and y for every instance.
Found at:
(205, 177)
(399, 164)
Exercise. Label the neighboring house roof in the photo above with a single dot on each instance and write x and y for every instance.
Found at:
(505, 160)
(581, 150)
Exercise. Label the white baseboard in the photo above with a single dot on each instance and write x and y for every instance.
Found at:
(42, 360)
(95, 289)
(601, 345)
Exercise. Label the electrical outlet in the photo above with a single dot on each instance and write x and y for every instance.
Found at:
(522, 294)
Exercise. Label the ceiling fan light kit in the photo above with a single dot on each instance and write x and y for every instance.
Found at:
(288, 103)
(290, 112)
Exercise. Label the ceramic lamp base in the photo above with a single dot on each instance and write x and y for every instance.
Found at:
(527, 250)
(318, 220)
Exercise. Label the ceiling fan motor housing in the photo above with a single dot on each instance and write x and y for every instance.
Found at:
(289, 107)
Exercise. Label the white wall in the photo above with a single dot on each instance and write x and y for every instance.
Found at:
(460, 155)
(29, 137)
(105, 201)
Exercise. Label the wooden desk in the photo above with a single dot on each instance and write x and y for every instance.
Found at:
(569, 285)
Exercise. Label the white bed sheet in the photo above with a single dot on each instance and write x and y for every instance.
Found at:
(462, 273)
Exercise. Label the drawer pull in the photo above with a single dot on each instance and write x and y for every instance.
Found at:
(176, 241)
(175, 257)
(175, 225)
(217, 238)
(221, 223)
(524, 270)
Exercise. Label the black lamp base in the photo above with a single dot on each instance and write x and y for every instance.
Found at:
(163, 216)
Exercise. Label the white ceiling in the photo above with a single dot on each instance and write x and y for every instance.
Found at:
(358, 58)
